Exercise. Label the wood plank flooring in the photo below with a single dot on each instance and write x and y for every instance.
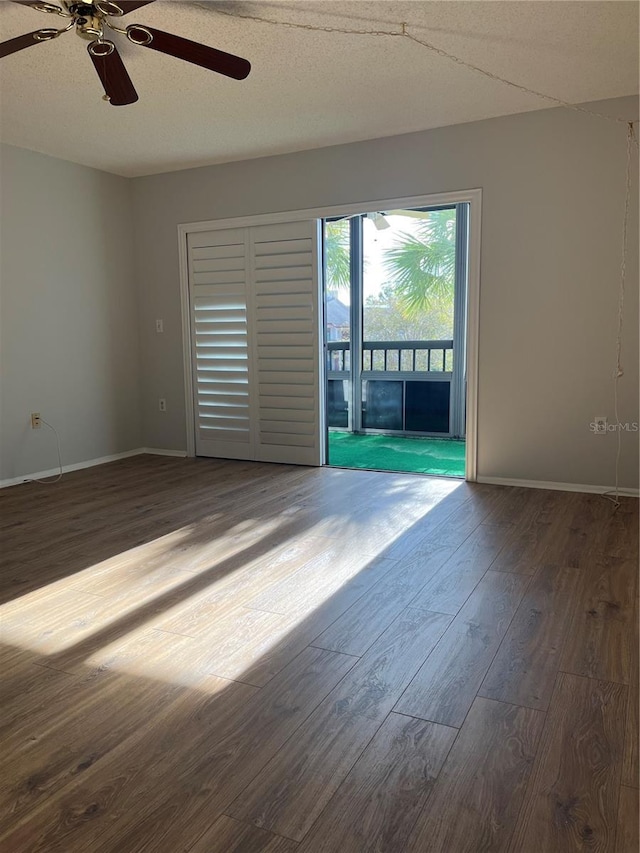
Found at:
(206, 656)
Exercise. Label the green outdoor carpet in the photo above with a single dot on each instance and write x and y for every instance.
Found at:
(440, 456)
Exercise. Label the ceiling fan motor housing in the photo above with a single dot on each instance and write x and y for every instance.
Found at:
(89, 28)
(83, 10)
(87, 19)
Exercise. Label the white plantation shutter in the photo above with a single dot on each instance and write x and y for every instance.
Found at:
(256, 345)
(220, 344)
(285, 289)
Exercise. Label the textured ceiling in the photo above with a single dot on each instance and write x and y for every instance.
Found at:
(307, 89)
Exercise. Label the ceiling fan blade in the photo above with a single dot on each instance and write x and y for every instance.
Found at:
(190, 51)
(132, 5)
(20, 42)
(114, 76)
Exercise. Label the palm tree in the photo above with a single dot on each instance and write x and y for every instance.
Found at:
(421, 265)
(337, 254)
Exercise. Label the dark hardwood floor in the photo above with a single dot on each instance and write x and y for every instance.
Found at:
(228, 657)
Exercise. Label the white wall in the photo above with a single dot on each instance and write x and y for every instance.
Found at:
(553, 184)
(68, 309)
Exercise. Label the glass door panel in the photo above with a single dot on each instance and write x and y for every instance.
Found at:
(395, 313)
(409, 278)
(409, 319)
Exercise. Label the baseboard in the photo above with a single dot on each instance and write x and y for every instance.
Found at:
(90, 463)
(158, 451)
(557, 487)
(75, 466)
(181, 454)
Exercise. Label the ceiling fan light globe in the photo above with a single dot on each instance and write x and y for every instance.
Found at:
(379, 220)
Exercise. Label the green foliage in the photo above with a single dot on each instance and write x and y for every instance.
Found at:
(421, 265)
(385, 319)
(416, 303)
(337, 253)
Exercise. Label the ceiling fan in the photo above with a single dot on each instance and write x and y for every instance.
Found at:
(92, 20)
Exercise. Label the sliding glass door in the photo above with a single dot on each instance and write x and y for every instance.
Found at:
(395, 309)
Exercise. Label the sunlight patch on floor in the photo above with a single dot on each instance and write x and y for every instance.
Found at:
(159, 593)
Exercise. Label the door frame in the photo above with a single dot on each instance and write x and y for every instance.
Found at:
(473, 197)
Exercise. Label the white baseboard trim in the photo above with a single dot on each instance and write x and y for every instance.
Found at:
(158, 451)
(75, 466)
(90, 463)
(557, 487)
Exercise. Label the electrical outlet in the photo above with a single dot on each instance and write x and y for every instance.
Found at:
(35, 420)
(600, 425)
(162, 404)
(159, 326)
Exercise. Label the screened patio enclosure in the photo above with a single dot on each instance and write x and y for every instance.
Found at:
(395, 323)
